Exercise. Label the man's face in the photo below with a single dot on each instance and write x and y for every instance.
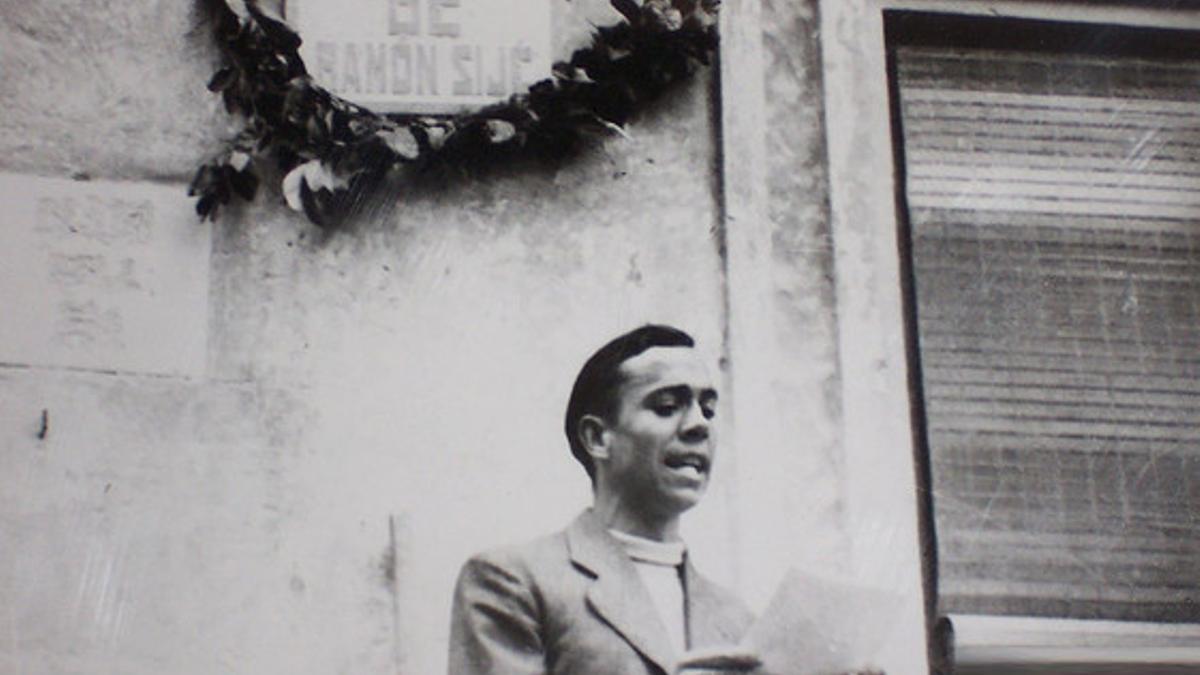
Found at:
(661, 441)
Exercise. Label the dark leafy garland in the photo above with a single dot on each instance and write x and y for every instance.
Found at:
(328, 151)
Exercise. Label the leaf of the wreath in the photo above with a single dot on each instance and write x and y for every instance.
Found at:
(276, 30)
(298, 99)
(222, 79)
(318, 133)
(436, 135)
(320, 175)
(499, 131)
(664, 16)
(223, 19)
(230, 98)
(628, 8)
(292, 184)
(213, 192)
(569, 73)
(340, 126)
(700, 19)
(308, 203)
(245, 184)
(312, 206)
(316, 175)
(239, 160)
(200, 181)
(401, 141)
(206, 207)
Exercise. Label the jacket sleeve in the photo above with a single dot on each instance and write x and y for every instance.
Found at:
(495, 624)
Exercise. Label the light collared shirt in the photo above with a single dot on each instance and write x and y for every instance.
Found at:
(659, 564)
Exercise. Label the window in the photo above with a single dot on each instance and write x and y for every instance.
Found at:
(1051, 197)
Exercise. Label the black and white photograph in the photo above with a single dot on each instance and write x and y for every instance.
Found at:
(600, 337)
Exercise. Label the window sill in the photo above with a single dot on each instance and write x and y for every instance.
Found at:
(1031, 645)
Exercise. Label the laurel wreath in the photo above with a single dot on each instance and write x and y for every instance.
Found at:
(327, 152)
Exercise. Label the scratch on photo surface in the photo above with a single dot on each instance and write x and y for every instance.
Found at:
(100, 596)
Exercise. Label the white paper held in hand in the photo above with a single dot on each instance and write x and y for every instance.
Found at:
(819, 626)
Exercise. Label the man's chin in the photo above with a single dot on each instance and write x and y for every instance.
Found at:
(683, 498)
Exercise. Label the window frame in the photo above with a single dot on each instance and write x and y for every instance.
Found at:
(881, 396)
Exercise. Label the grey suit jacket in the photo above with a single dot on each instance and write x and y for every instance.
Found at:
(573, 603)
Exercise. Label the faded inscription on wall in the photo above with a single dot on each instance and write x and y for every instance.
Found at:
(102, 276)
(424, 55)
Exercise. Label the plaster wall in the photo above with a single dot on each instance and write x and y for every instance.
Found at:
(821, 402)
(878, 456)
(379, 403)
(376, 404)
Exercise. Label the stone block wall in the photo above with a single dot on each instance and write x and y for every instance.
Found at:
(374, 405)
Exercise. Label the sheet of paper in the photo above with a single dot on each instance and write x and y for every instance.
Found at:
(817, 626)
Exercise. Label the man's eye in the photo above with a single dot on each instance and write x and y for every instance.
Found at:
(665, 408)
(708, 411)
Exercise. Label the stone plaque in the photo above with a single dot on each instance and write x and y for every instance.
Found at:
(102, 276)
(423, 55)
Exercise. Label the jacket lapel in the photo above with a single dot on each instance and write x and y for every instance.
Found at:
(617, 594)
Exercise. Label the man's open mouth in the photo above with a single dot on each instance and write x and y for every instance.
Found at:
(689, 462)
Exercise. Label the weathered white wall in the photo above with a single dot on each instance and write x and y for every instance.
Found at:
(877, 442)
(380, 403)
(376, 405)
(824, 454)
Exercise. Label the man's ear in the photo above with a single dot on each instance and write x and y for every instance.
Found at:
(593, 432)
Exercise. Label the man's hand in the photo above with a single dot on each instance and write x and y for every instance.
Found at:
(738, 660)
(721, 659)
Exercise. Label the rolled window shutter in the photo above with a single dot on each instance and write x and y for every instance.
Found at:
(1054, 214)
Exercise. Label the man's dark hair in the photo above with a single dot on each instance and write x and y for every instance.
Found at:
(595, 390)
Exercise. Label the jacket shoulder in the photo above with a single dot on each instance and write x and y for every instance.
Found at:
(525, 556)
(498, 617)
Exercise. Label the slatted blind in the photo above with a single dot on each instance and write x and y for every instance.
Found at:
(1054, 214)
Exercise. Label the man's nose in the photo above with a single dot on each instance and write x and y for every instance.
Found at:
(695, 424)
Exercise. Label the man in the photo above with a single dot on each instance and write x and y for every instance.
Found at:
(615, 592)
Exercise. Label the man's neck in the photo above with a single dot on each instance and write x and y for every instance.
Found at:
(617, 516)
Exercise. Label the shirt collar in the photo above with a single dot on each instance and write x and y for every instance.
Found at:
(666, 553)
